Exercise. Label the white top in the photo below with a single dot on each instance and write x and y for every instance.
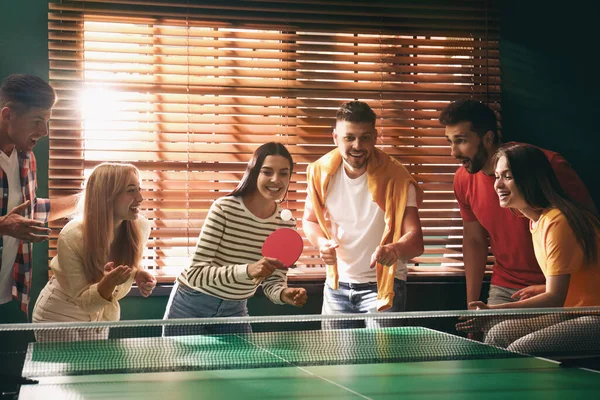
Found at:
(357, 225)
(10, 245)
(231, 238)
(69, 292)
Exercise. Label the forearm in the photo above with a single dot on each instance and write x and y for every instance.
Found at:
(409, 246)
(136, 271)
(546, 299)
(274, 285)
(106, 289)
(475, 260)
(123, 289)
(314, 233)
(206, 276)
(63, 207)
(88, 297)
(555, 294)
(3, 225)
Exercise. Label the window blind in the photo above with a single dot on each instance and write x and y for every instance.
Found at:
(187, 91)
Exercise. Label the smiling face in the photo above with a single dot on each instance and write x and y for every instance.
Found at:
(273, 178)
(467, 146)
(127, 204)
(25, 127)
(506, 188)
(356, 142)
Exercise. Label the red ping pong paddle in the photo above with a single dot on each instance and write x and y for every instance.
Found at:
(284, 244)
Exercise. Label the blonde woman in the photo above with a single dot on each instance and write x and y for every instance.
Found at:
(98, 256)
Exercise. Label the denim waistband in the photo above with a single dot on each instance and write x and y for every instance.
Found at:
(365, 285)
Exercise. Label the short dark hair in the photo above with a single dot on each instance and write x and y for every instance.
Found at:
(482, 118)
(24, 92)
(248, 182)
(356, 111)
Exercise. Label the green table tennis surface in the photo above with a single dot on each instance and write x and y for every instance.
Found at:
(387, 363)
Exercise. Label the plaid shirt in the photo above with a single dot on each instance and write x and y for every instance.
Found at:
(39, 210)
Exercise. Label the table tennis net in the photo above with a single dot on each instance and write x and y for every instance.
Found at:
(261, 342)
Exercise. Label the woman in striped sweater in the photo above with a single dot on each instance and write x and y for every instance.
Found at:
(220, 278)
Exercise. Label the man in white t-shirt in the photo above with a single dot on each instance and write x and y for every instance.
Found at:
(363, 218)
(26, 102)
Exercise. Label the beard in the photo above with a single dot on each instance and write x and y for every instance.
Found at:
(354, 162)
(478, 161)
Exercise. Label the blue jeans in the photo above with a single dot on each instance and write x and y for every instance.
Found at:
(360, 298)
(189, 303)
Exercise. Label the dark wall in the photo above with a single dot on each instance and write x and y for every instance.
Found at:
(548, 96)
(24, 49)
(546, 100)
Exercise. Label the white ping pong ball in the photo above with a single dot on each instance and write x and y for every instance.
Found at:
(286, 215)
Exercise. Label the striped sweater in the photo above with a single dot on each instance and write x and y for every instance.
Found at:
(232, 238)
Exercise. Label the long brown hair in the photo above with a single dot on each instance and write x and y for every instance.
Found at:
(537, 182)
(105, 184)
(248, 182)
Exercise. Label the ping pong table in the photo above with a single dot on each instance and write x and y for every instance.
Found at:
(385, 363)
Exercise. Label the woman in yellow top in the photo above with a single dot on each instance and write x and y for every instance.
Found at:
(566, 241)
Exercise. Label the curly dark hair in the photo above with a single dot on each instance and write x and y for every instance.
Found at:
(482, 118)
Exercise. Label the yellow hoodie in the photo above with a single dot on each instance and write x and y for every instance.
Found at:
(388, 182)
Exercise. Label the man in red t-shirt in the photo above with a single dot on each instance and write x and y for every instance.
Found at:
(471, 129)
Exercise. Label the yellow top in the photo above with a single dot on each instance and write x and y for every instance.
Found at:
(559, 253)
(388, 183)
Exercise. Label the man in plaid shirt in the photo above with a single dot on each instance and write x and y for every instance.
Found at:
(26, 103)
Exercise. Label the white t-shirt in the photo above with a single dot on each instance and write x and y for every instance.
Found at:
(10, 245)
(357, 225)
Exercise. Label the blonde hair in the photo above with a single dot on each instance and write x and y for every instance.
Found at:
(105, 184)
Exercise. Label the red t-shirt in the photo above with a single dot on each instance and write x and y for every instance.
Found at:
(510, 239)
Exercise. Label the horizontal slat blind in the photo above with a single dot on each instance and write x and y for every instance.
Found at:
(188, 90)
